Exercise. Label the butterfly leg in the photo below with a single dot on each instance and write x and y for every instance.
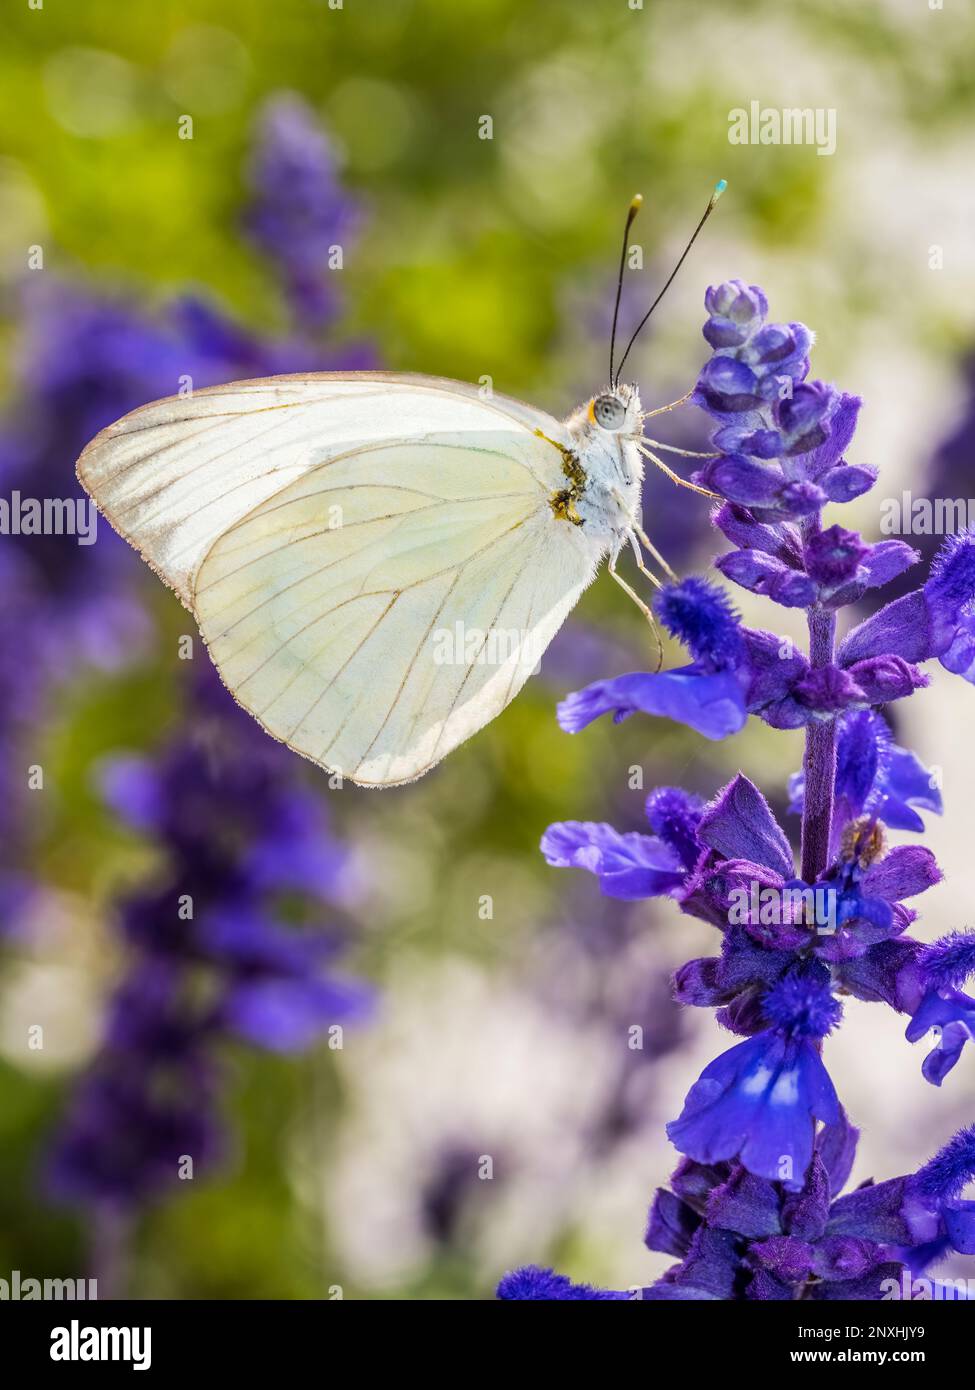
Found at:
(672, 449)
(640, 535)
(675, 477)
(613, 555)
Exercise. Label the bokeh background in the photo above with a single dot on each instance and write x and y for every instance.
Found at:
(478, 1105)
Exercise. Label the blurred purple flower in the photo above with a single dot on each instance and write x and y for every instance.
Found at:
(215, 950)
(299, 215)
(235, 935)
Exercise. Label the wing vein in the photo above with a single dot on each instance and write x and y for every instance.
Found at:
(411, 667)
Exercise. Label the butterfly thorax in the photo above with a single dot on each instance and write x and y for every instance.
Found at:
(603, 468)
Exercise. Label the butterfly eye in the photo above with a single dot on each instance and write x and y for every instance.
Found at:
(609, 412)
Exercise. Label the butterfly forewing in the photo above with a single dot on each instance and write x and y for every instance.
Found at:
(373, 560)
(173, 476)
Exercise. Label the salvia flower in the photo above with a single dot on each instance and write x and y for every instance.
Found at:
(237, 936)
(754, 1210)
(300, 215)
(214, 952)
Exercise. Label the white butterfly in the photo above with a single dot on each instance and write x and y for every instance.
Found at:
(376, 561)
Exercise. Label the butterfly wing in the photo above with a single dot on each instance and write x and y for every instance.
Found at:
(372, 559)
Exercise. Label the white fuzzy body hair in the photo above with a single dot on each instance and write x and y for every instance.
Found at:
(610, 504)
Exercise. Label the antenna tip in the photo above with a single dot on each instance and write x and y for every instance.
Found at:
(719, 188)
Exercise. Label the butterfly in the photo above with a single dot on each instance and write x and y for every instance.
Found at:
(376, 561)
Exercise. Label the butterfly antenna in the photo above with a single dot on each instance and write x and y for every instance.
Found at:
(634, 208)
(719, 188)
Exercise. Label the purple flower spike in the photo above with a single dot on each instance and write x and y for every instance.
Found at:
(235, 934)
(755, 1209)
(234, 835)
(299, 213)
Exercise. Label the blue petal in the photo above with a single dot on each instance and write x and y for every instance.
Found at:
(907, 783)
(629, 866)
(759, 1102)
(952, 1012)
(714, 705)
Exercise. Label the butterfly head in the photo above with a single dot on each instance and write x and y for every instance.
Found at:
(617, 410)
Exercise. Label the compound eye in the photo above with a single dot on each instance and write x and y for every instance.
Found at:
(609, 412)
